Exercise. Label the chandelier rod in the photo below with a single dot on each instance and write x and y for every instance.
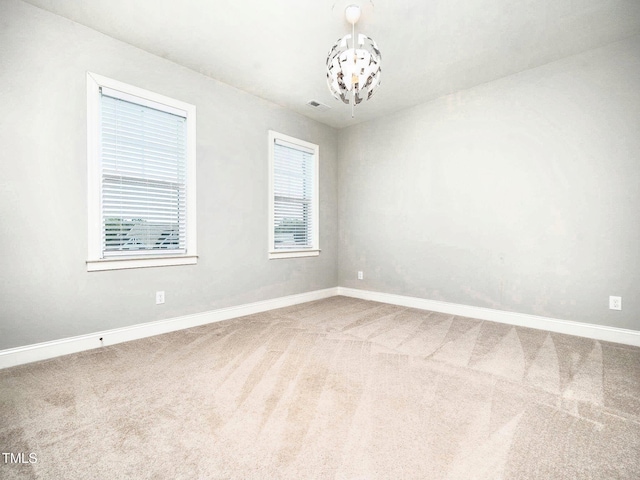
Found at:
(355, 60)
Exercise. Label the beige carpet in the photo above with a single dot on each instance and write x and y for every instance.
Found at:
(339, 388)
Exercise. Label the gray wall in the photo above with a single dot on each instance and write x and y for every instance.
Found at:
(45, 291)
(522, 194)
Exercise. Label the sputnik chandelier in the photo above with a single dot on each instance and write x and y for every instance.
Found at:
(353, 64)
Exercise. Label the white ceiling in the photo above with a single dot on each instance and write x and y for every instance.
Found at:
(276, 49)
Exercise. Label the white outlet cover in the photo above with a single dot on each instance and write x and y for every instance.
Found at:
(159, 298)
(615, 303)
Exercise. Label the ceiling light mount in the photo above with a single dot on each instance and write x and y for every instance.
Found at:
(353, 64)
(352, 14)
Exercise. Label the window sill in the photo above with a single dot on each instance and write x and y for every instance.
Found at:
(293, 253)
(132, 262)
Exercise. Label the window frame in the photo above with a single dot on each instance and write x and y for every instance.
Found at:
(314, 251)
(96, 261)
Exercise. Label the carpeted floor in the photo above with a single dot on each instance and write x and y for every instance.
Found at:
(338, 388)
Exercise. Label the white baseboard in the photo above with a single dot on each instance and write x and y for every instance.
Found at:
(42, 351)
(596, 332)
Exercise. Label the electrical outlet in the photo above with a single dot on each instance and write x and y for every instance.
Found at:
(615, 303)
(360, 275)
(159, 297)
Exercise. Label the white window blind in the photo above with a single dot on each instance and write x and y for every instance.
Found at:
(294, 221)
(144, 176)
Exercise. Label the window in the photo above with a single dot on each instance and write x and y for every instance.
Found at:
(141, 169)
(293, 197)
